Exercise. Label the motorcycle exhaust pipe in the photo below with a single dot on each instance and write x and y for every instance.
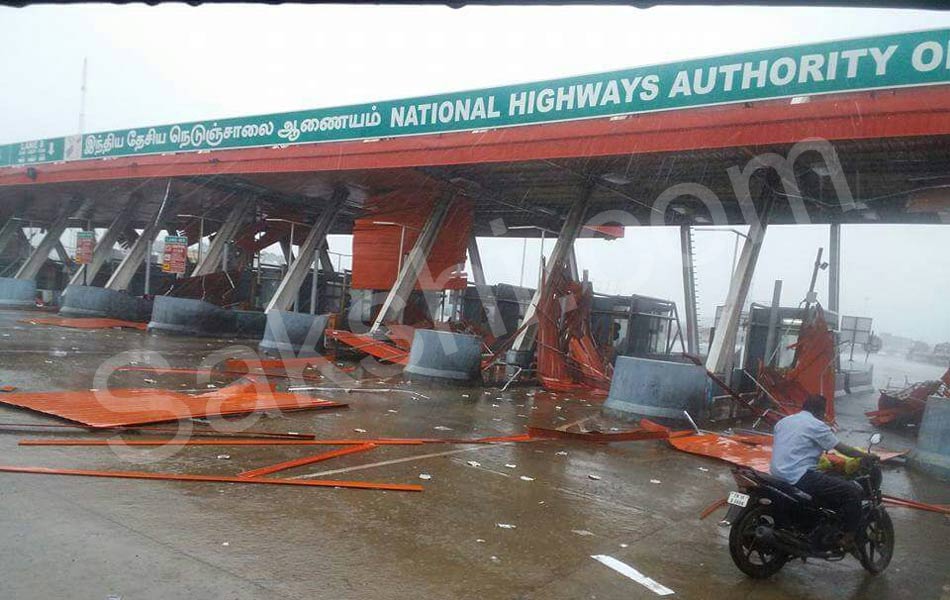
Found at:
(773, 539)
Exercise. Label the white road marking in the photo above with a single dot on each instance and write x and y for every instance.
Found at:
(396, 461)
(628, 571)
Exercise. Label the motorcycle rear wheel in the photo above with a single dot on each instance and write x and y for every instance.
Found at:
(877, 547)
(755, 562)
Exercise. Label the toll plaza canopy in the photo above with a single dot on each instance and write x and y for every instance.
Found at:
(857, 129)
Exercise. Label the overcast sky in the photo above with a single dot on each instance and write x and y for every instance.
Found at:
(153, 65)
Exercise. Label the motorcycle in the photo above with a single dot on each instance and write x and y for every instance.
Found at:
(773, 522)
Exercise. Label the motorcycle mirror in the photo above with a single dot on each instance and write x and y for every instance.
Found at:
(875, 439)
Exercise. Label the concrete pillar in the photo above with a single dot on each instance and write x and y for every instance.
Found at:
(33, 264)
(63, 255)
(933, 439)
(141, 249)
(834, 269)
(485, 293)
(722, 349)
(325, 262)
(689, 289)
(415, 262)
(289, 287)
(211, 261)
(85, 274)
(8, 232)
(565, 243)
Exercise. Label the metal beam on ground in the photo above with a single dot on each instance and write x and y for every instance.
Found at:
(689, 289)
(140, 250)
(485, 294)
(415, 262)
(33, 264)
(289, 287)
(834, 269)
(722, 349)
(771, 355)
(211, 261)
(85, 274)
(562, 248)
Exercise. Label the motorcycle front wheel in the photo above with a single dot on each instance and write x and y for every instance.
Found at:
(747, 552)
(877, 546)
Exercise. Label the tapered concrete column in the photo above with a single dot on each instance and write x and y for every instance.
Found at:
(33, 264)
(211, 261)
(64, 256)
(289, 287)
(562, 249)
(485, 293)
(723, 344)
(325, 262)
(8, 232)
(689, 289)
(85, 274)
(834, 269)
(771, 355)
(395, 301)
(139, 251)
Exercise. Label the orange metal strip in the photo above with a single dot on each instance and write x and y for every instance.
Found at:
(360, 485)
(87, 323)
(712, 508)
(223, 442)
(306, 460)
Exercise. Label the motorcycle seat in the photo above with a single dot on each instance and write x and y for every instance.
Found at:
(785, 487)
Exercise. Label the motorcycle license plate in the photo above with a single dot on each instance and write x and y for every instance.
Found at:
(737, 499)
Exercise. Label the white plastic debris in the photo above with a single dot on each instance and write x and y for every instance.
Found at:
(526, 478)
(495, 558)
(442, 428)
(210, 385)
(560, 453)
(358, 430)
(581, 532)
(506, 525)
(655, 481)
(473, 463)
(224, 457)
(425, 476)
(594, 477)
(391, 410)
(225, 543)
(479, 541)
(147, 380)
(624, 545)
(465, 395)
(704, 469)
(511, 466)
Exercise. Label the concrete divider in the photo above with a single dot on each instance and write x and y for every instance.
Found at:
(445, 356)
(657, 388)
(17, 293)
(932, 454)
(90, 301)
(189, 316)
(299, 333)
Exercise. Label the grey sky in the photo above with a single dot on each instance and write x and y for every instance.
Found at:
(151, 65)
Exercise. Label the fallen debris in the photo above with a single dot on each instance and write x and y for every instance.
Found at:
(89, 323)
(906, 406)
(363, 485)
(125, 407)
(369, 345)
(290, 464)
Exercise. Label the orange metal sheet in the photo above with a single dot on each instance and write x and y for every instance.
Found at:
(85, 323)
(360, 485)
(369, 345)
(111, 408)
(306, 460)
(278, 442)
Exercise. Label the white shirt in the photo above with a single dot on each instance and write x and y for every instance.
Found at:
(799, 442)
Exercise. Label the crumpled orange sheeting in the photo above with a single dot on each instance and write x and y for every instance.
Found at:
(746, 453)
(113, 408)
(90, 323)
(370, 345)
(812, 373)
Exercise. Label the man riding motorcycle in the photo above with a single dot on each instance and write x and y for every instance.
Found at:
(798, 444)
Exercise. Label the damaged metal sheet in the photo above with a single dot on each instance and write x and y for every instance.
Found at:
(90, 323)
(123, 407)
(370, 345)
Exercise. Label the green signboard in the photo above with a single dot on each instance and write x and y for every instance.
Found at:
(891, 61)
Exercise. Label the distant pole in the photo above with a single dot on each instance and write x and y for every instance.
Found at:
(82, 96)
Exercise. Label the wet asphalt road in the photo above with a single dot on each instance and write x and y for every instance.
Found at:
(84, 538)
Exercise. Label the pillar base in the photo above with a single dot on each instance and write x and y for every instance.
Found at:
(17, 293)
(90, 301)
(656, 388)
(933, 439)
(298, 333)
(445, 356)
(187, 316)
